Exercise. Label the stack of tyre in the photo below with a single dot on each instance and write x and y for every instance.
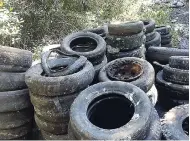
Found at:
(136, 71)
(173, 82)
(125, 40)
(87, 44)
(113, 110)
(16, 112)
(54, 84)
(153, 38)
(166, 37)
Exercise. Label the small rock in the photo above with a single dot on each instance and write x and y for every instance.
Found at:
(177, 5)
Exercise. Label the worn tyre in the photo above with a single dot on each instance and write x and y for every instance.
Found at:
(49, 136)
(149, 25)
(176, 76)
(163, 30)
(125, 43)
(174, 127)
(167, 45)
(166, 39)
(12, 81)
(114, 53)
(15, 119)
(15, 133)
(98, 67)
(39, 84)
(162, 54)
(99, 30)
(155, 42)
(145, 80)
(14, 59)
(179, 62)
(14, 100)
(86, 128)
(150, 36)
(53, 109)
(174, 90)
(94, 54)
(126, 29)
(51, 127)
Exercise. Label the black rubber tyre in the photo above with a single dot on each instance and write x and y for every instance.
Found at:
(167, 45)
(12, 81)
(145, 81)
(51, 127)
(176, 76)
(137, 126)
(49, 136)
(55, 86)
(153, 95)
(126, 29)
(179, 62)
(174, 90)
(114, 53)
(149, 25)
(53, 109)
(95, 55)
(173, 126)
(162, 54)
(125, 43)
(166, 39)
(100, 31)
(15, 133)
(98, 67)
(14, 59)
(150, 36)
(10, 120)
(163, 30)
(155, 42)
(14, 100)
(155, 129)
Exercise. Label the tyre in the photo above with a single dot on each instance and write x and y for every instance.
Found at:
(144, 79)
(15, 119)
(12, 81)
(126, 29)
(113, 54)
(174, 90)
(125, 43)
(98, 67)
(39, 84)
(155, 42)
(15, 133)
(167, 45)
(176, 76)
(87, 44)
(155, 129)
(14, 59)
(176, 127)
(162, 54)
(100, 31)
(153, 95)
(53, 109)
(51, 127)
(150, 36)
(49, 136)
(14, 100)
(149, 25)
(163, 30)
(117, 103)
(166, 39)
(179, 62)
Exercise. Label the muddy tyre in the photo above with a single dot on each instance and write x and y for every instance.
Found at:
(126, 43)
(150, 36)
(100, 96)
(155, 42)
(176, 76)
(163, 30)
(14, 59)
(49, 136)
(166, 39)
(98, 67)
(179, 62)
(149, 25)
(39, 84)
(144, 81)
(174, 128)
(95, 50)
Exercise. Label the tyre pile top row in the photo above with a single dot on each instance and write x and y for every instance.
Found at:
(16, 111)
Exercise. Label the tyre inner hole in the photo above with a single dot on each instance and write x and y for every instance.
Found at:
(110, 111)
(83, 44)
(185, 126)
(126, 72)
